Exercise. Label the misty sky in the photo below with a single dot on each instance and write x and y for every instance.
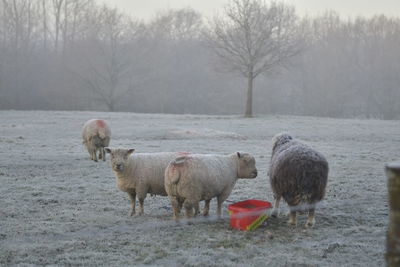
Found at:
(146, 9)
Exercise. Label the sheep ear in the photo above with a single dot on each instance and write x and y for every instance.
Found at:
(238, 154)
(130, 151)
(107, 149)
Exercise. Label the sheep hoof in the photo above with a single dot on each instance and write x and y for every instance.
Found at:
(274, 214)
(131, 213)
(292, 222)
(310, 223)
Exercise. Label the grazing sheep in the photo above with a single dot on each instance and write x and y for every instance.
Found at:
(192, 178)
(140, 174)
(298, 174)
(96, 135)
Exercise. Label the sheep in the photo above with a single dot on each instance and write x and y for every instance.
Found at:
(96, 135)
(140, 173)
(192, 178)
(297, 173)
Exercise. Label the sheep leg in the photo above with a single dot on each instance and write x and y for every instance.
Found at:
(188, 209)
(94, 156)
(180, 205)
(132, 196)
(206, 207)
(219, 206)
(197, 208)
(90, 152)
(100, 153)
(141, 208)
(275, 211)
(103, 151)
(311, 219)
(292, 216)
(176, 206)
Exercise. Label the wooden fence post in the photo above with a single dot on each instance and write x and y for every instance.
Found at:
(393, 233)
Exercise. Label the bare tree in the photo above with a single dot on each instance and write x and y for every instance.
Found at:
(179, 24)
(108, 59)
(20, 31)
(253, 38)
(349, 69)
(173, 33)
(80, 11)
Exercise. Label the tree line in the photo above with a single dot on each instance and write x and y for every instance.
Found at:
(254, 55)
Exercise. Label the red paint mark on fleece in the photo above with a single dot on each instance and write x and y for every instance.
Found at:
(101, 123)
(179, 162)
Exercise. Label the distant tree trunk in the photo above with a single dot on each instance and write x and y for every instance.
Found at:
(17, 21)
(29, 26)
(249, 96)
(17, 13)
(74, 22)
(65, 30)
(57, 5)
(393, 233)
(44, 25)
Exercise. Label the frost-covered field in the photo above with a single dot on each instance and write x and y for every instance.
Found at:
(58, 207)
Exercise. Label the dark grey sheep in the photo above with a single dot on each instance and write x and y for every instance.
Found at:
(297, 173)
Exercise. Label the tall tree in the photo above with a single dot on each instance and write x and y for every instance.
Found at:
(173, 34)
(108, 58)
(253, 38)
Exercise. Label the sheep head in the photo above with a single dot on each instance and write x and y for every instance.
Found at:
(280, 139)
(119, 157)
(246, 165)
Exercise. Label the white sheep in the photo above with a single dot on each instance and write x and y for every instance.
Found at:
(140, 173)
(96, 135)
(192, 178)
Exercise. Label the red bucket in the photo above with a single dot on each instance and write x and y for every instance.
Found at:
(248, 214)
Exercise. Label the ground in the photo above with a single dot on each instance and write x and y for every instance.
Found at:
(58, 207)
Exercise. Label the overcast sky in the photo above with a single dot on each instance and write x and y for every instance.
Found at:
(145, 9)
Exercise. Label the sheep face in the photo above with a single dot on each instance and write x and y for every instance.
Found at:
(119, 158)
(246, 166)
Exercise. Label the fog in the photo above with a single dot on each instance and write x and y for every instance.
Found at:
(83, 55)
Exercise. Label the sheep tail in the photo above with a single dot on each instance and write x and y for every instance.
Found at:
(176, 177)
(102, 133)
(177, 164)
